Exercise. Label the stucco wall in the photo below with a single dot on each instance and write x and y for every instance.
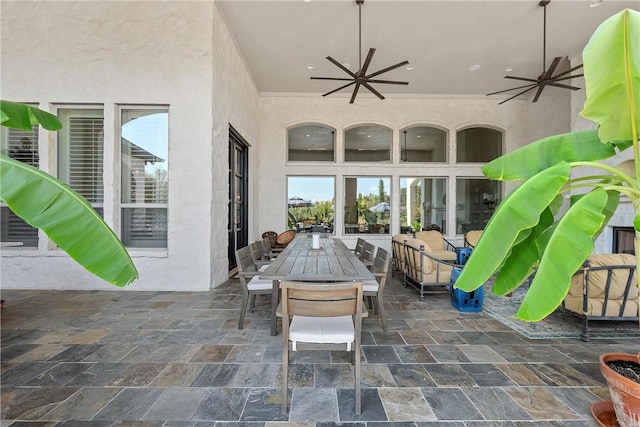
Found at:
(170, 53)
(521, 122)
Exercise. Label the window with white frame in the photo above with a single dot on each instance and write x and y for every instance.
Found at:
(81, 152)
(368, 143)
(423, 204)
(23, 146)
(478, 144)
(423, 144)
(311, 143)
(367, 204)
(144, 176)
(311, 203)
(476, 200)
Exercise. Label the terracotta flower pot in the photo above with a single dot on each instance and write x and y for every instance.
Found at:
(625, 393)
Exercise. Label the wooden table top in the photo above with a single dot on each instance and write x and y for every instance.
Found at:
(332, 262)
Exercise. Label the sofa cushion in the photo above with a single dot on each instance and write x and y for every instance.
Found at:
(414, 257)
(433, 238)
(597, 287)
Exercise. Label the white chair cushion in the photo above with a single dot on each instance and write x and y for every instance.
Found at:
(370, 286)
(324, 330)
(256, 284)
(263, 267)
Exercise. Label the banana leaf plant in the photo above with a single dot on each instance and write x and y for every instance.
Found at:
(527, 233)
(52, 206)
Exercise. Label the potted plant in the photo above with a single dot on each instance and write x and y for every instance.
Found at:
(528, 230)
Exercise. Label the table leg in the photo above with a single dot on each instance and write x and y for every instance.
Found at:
(274, 305)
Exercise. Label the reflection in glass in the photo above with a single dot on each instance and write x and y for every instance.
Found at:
(423, 204)
(310, 143)
(144, 177)
(370, 143)
(478, 144)
(423, 144)
(476, 200)
(311, 203)
(367, 205)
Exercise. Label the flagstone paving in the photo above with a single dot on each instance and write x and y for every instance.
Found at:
(106, 358)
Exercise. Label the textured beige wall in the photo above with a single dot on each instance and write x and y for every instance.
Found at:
(105, 52)
(521, 122)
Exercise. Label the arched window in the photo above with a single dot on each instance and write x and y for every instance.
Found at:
(310, 143)
(478, 144)
(367, 143)
(423, 144)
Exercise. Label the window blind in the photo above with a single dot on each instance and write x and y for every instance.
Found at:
(23, 146)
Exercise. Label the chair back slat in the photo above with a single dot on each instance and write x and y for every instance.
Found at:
(368, 252)
(257, 250)
(244, 260)
(322, 300)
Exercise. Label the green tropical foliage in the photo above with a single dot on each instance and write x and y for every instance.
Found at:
(526, 233)
(52, 206)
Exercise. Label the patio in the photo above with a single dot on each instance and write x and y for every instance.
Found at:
(176, 358)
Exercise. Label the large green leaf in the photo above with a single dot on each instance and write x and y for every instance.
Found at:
(519, 264)
(518, 212)
(67, 218)
(22, 116)
(568, 247)
(527, 161)
(613, 90)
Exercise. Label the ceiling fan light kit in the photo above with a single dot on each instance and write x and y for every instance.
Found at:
(360, 77)
(546, 78)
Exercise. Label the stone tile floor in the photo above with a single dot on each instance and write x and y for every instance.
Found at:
(103, 358)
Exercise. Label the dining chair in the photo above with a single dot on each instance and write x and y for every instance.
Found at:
(268, 250)
(258, 254)
(368, 254)
(321, 316)
(374, 289)
(251, 284)
(358, 249)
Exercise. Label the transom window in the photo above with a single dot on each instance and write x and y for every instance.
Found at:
(478, 144)
(311, 143)
(368, 143)
(423, 144)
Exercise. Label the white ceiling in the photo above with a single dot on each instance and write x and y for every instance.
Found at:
(441, 38)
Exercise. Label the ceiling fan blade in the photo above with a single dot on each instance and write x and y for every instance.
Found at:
(342, 67)
(372, 90)
(340, 88)
(389, 82)
(342, 79)
(526, 79)
(355, 92)
(513, 88)
(384, 70)
(367, 61)
(569, 71)
(538, 93)
(517, 94)
(547, 74)
(555, 79)
(554, 84)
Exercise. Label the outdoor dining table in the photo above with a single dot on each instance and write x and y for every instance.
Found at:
(299, 261)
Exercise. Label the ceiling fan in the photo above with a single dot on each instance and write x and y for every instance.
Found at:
(546, 78)
(360, 77)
